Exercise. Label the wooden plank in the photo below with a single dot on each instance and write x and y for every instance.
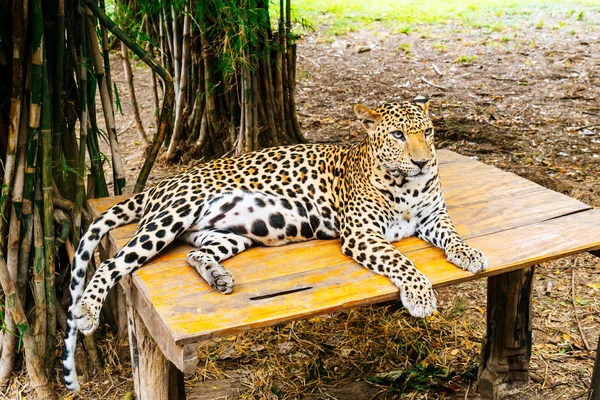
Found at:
(194, 312)
(446, 156)
(474, 182)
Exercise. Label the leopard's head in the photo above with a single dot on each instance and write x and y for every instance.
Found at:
(401, 136)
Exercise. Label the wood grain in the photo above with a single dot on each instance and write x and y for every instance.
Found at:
(514, 221)
(193, 311)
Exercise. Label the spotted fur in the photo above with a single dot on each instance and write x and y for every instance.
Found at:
(380, 190)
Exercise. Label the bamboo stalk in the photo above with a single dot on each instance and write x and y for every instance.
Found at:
(15, 114)
(9, 344)
(48, 215)
(26, 210)
(65, 228)
(255, 129)
(213, 118)
(269, 96)
(241, 139)
(161, 31)
(165, 115)
(83, 129)
(35, 365)
(183, 81)
(106, 58)
(92, 141)
(233, 114)
(154, 84)
(99, 71)
(131, 87)
(58, 127)
(9, 347)
(176, 52)
(291, 60)
(40, 325)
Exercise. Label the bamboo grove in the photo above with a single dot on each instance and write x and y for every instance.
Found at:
(223, 84)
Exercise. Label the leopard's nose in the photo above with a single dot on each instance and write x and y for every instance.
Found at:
(420, 163)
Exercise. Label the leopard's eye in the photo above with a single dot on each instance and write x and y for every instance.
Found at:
(428, 132)
(398, 135)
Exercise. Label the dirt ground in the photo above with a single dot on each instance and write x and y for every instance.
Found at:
(526, 100)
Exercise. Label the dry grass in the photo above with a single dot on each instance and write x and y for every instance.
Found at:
(400, 356)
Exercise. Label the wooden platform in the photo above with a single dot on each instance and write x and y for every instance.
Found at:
(515, 222)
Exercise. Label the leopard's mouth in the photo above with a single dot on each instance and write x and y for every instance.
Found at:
(398, 173)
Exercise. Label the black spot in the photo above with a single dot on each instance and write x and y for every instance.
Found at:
(147, 246)
(184, 211)
(81, 273)
(159, 245)
(223, 249)
(110, 222)
(323, 235)
(115, 276)
(259, 202)
(216, 219)
(176, 227)
(229, 206)
(277, 221)
(306, 231)
(85, 256)
(259, 228)
(161, 234)
(301, 209)
(166, 221)
(133, 242)
(151, 227)
(314, 221)
(131, 257)
(238, 229)
(142, 260)
(286, 204)
(291, 230)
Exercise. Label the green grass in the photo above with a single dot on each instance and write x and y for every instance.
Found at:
(464, 59)
(405, 47)
(343, 16)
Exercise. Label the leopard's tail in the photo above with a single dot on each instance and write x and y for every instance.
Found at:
(123, 213)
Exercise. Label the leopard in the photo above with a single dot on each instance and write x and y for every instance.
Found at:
(371, 193)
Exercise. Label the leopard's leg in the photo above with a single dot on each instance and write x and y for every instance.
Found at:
(214, 246)
(364, 241)
(146, 243)
(437, 228)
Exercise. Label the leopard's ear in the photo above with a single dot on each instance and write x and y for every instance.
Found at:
(422, 101)
(368, 118)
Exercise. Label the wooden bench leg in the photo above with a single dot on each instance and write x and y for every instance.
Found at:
(506, 348)
(595, 386)
(154, 377)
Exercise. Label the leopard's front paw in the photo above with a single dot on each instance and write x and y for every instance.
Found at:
(464, 256)
(417, 295)
(215, 274)
(84, 316)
